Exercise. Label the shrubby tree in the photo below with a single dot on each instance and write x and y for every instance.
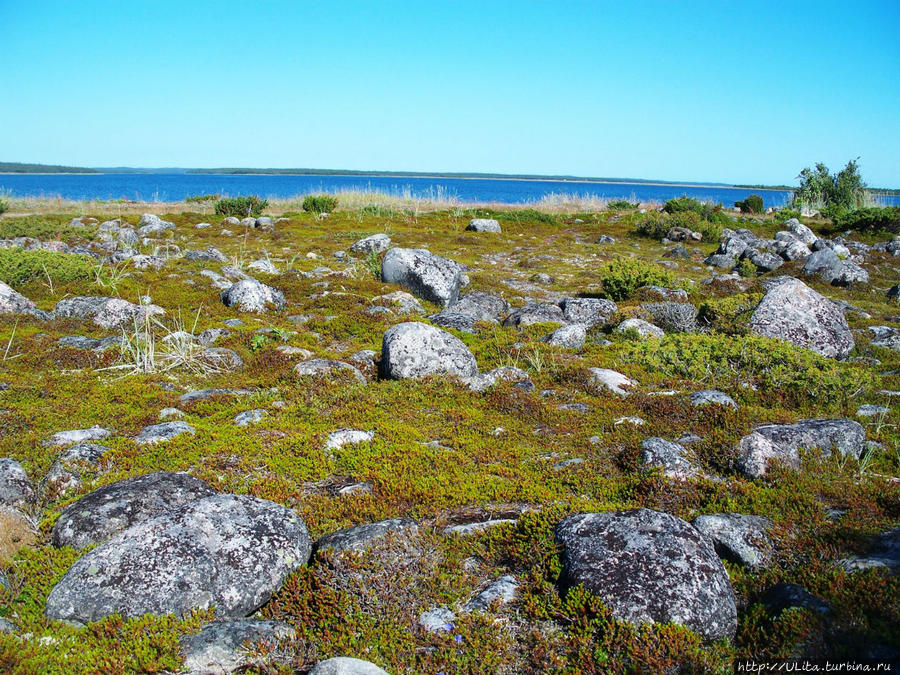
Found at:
(832, 194)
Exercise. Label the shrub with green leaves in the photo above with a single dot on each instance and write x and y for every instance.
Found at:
(752, 204)
(833, 193)
(652, 224)
(18, 266)
(320, 203)
(622, 277)
(241, 207)
(746, 269)
(711, 231)
(4, 205)
(622, 205)
(871, 220)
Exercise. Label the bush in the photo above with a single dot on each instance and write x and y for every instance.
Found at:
(621, 278)
(320, 203)
(44, 228)
(18, 266)
(784, 215)
(871, 219)
(652, 224)
(711, 232)
(752, 204)
(679, 317)
(621, 205)
(746, 269)
(4, 205)
(241, 207)
(688, 219)
(820, 189)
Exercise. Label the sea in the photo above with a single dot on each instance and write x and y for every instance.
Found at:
(169, 187)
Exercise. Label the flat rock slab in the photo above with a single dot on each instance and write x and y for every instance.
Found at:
(98, 516)
(232, 552)
(649, 566)
(222, 647)
(328, 368)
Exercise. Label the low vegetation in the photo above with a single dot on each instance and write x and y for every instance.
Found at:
(241, 207)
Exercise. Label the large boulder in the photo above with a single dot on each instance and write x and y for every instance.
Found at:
(375, 243)
(250, 295)
(588, 311)
(105, 312)
(483, 225)
(98, 516)
(792, 311)
(536, 313)
(783, 442)
(567, 337)
(231, 552)
(12, 302)
(648, 566)
(412, 350)
(830, 268)
(481, 306)
(424, 274)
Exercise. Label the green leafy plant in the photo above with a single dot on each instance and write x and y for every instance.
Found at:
(746, 269)
(652, 224)
(832, 193)
(622, 205)
(4, 205)
(258, 341)
(320, 203)
(711, 231)
(241, 207)
(18, 266)
(752, 204)
(871, 220)
(622, 277)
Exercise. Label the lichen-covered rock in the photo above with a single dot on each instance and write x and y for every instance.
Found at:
(588, 311)
(800, 231)
(223, 647)
(231, 552)
(99, 515)
(152, 224)
(481, 306)
(484, 381)
(413, 350)
(826, 264)
(536, 313)
(671, 457)
(782, 442)
(328, 368)
(648, 566)
(15, 487)
(792, 311)
(483, 225)
(15, 303)
(447, 318)
(210, 253)
(344, 665)
(250, 295)
(764, 261)
(361, 537)
(567, 337)
(424, 274)
(611, 380)
(643, 328)
(65, 474)
(162, 432)
(712, 397)
(72, 436)
(220, 359)
(375, 243)
(739, 538)
(249, 417)
(105, 312)
(499, 593)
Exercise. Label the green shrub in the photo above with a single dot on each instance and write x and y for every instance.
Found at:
(685, 203)
(320, 203)
(688, 219)
(4, 205)
(18, 266)
(746, 269)
(241, 207)
(621, 205)
(783, 215)
(752, 204)
(652, 224)
(711, 231)
(622, 277)
(196, 199)
(871, 220)
(526, 215)
(820, 189)
(44, 228)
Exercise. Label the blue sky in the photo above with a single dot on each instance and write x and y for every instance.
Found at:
(718, 91)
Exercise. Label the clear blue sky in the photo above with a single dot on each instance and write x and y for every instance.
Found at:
(712, 91)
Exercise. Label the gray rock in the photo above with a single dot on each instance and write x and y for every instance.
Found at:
(588, 311)
(732, 247)
(7, 626)
(484, 381)
(894, 292)
(567, 337)
(535, 313)
(328, 368)
(220, 360)
(105, 312)
(648, 566)
(223, 647)
(764, 261)
(782, 597)
(605, 239)
(438, 620)
(481, 306)
(343, 665)
(249, 417)
(15, 488)
(869, 410)
(263, 222)
(375, 243)
(404, 302)
(228, 551)
(81, 342)
(95, 433)
(250, 295)
(210, 253)
(204, 394)
(671, 457)
(152, 224)
(801, 232)
(883, 552)
(483, 225)
(794, 250)
(248, 222)
(447, 318)
(424, 274)
(501, 592)
(739, 538)
(712, 397)
(725, 262)
(362, 537)
(644, 329)
(611, 380)
(792, 311)
(263, 265)
(468, 529)
(65, 474)
(98, 516)
(413, 350)
(782, 442)
(162, 432)
(15, 303)
(830, 268)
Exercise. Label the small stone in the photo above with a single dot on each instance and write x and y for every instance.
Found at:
(340, 438)
(249, 417)
(162, 433)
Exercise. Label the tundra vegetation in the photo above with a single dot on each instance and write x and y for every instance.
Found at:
(253, 356)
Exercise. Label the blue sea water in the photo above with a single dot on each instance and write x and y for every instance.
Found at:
(177, 186)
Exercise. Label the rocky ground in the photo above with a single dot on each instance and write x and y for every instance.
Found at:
(453, 442)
